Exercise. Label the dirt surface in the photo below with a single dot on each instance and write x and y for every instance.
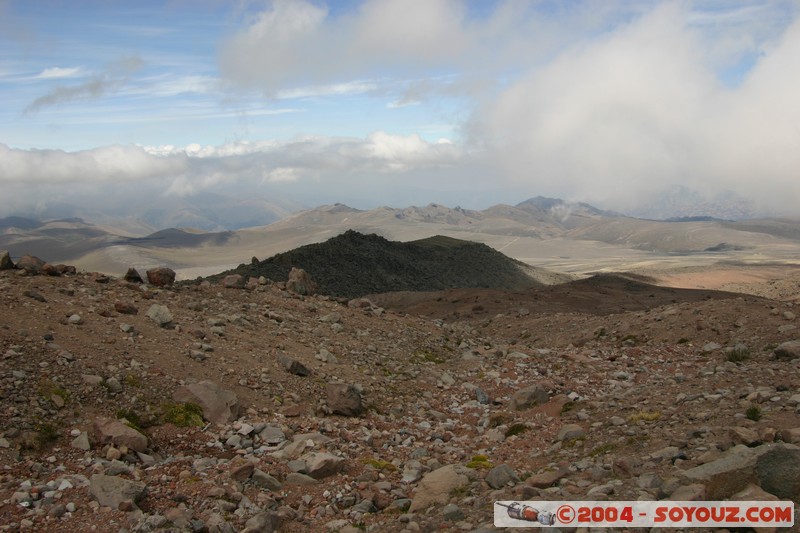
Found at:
(657, 380)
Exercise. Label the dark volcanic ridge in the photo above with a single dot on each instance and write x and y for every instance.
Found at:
(352, 265)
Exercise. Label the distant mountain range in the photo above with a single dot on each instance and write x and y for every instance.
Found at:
(545, 232)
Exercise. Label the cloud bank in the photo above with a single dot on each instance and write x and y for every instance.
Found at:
(609, 102)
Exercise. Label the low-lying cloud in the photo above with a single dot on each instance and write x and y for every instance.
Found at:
(234, 168)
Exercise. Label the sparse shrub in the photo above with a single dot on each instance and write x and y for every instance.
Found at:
(645, 416)
(479, 461)
(753, 413)
(133, 381)
(603, 448)
(567, 407)
(516, 429)
(380, 464)
(45, 434)
(131, 418)
(683, 340)
(49, 388)
(426, 356)
(184, 414)
(737, 354)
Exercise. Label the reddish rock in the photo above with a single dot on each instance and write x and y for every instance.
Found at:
(161, 277)
(31, 264)
(126, 308)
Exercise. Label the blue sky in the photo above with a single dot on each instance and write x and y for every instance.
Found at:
(400, 101)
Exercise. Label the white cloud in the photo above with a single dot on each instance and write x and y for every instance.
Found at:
(627, 115)
(60, 72)
(235, 167)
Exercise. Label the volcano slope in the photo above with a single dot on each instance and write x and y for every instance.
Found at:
(353, 264)
(445, 414)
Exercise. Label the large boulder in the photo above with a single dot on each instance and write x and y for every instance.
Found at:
(109, 430)
(219, 405)
(300, 282)
(344, 399)
(5, 261)
(773, 467)
(111, 491)
(161, 277)
(30, 263)
(436, 486)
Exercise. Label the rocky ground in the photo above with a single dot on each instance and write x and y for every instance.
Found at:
(131, 407)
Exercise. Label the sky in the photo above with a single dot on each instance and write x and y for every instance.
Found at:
(399, 102)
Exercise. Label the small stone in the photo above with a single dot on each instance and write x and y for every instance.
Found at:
(160, 315)
(452, 513)
(75, 319)
(500, 476)
(293, 366)
(529, 397)
(570, 432)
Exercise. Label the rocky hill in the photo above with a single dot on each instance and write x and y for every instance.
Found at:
(352, 264)
(132, 407)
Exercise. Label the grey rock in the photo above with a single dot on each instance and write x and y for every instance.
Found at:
(300, 282)
(113, 385)
(233, 281)
(774, 467)
(262, 523)
(365, 506)
(265, 481)
(30, 264)
(160, 315)
(272, 435)
(452, 513)
(436, 486)
(219, 405)
(296, 478)
(788, 350)
(115, 432)
(111, 491)
(5, 261)
(81, 442)
(321, 464)
(570, 432)
(529, 397)
(710, 347)
(500, 476)
(35, 296)
(293, 366)
(344, 399)
(481, 396)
